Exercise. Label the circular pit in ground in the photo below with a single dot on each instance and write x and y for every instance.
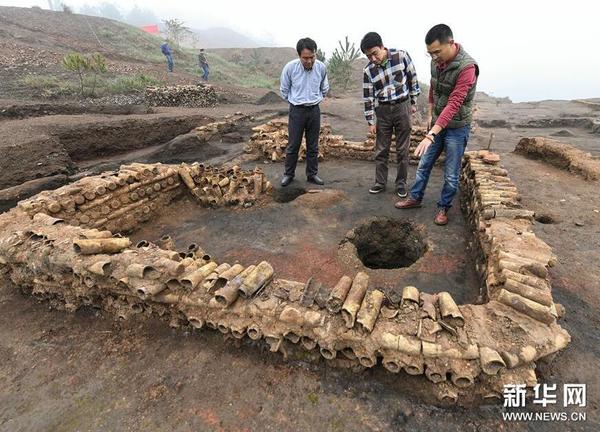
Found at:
(287, 194)
(385, 243)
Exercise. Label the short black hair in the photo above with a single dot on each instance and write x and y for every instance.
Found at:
(440, 32)
(306, 43)
(370, 40)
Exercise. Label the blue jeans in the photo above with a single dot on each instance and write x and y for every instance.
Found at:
(453, 142)
(205, 70)
(169, 62)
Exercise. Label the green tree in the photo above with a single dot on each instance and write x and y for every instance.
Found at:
(83, 66)
(340, 63)
(96, 65)
(75, 62)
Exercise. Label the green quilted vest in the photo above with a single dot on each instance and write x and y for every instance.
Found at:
(443, 83)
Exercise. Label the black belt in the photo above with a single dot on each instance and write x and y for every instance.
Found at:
(393, 102)
(306, 106)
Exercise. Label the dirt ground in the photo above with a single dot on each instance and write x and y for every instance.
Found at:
(85, 371)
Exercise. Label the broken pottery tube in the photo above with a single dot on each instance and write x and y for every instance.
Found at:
(166, 242)
(100, 246)
(230, 292)
(228, 275)
(435, 370)
(101, 268)
(146, 289)
(410, 293)
(210, 280)
(259, 277)
(446, 393)
(173, 268)
(254, 332)
(192, 280)
(463, 373)
(449, 310)
(354, 298)
(526, 306)
(491, 361)
(142, 271)
(369, 310)
(338, 294)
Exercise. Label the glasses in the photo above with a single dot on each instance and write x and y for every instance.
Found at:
(433, 55)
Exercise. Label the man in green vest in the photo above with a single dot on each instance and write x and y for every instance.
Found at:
(454, 76)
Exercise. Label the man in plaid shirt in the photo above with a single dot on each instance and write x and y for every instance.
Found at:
(390, 79)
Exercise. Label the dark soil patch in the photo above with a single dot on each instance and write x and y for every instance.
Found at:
(386, 243)
(270, 98)
(287, 194)
(186, 147)
(545, 219)
(563, 133)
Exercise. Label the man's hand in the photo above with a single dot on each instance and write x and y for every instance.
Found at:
(422, 147)
(413, 109)
(372, 129)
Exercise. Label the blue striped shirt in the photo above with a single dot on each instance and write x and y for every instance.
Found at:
(304, 87)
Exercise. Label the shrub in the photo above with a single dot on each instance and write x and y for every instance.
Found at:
(84, 67)
(340, 63)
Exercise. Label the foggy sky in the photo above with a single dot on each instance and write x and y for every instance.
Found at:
(526, 50)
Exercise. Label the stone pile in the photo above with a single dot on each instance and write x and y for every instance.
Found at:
(194, 96)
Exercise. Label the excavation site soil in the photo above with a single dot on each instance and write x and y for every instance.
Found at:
(90, 371)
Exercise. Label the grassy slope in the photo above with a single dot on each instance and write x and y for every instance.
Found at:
(134, 57)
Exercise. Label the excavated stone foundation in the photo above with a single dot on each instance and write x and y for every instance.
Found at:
(69, 247)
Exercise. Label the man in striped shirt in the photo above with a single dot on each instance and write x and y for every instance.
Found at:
(390, 79)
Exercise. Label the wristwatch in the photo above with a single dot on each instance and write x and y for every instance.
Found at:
(431, 135)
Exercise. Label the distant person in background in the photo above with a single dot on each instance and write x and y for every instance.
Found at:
(304, 84)
(454, 76)
(166, 50)
(203, 64)
(390, 79)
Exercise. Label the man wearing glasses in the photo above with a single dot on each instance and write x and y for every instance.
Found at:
(453, 81)
(390, 79)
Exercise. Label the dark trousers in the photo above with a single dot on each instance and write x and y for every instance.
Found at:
(392, 119)
(303, 120)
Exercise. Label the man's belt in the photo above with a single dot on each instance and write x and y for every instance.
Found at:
(393, 102)
(307, 105)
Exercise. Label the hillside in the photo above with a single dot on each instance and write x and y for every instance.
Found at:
(34, 41)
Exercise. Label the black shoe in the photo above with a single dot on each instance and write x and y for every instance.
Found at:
(401, 191)
(377, 188)
(286, 180)
(316, 180)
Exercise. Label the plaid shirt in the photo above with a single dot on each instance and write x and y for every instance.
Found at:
(396, 80)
